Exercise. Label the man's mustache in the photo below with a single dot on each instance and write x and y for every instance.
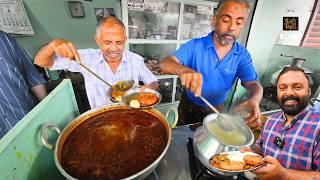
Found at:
(114, 52)
(286, 98)
(229, 34)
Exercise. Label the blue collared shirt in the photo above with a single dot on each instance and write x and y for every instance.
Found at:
(131, 67)
(218, 76)
(17, 76)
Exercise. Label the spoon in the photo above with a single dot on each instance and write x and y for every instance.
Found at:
(121, 85)
(221, 118)
(125, 84)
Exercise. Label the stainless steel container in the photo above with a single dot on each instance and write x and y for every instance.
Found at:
(86, 117)
(206, 145)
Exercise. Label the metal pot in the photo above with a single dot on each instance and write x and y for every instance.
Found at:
(206, 145)
(86, 117)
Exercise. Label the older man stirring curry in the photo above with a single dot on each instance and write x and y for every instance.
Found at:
(111, 61)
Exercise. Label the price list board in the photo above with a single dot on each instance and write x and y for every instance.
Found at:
(13, 18)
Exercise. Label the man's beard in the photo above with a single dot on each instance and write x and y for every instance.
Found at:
(294, 109)
(223, 40)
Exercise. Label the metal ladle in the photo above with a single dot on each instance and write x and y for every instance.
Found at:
(121, 85)
(226, 125)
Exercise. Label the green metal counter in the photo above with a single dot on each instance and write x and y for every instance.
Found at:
(22, 156)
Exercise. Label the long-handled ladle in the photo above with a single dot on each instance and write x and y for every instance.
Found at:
(220, 121)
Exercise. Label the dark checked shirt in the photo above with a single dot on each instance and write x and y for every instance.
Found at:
(17, 76)
(301, 150)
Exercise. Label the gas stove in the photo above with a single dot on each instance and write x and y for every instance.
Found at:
(200, 172)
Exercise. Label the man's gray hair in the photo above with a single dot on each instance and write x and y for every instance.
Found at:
(221, 2)
(107, 19)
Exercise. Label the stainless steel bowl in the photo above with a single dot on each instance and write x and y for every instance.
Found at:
(133, 93)
(114, 100)
(111, 98)
(205, 145)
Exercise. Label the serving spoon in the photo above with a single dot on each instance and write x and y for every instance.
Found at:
(121, 85)
(220, 118)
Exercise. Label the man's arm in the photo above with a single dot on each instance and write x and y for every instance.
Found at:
(39, 91)
(154, 85)
(171, 65)
(255, 92)
(255, 149)
(60, 47)
(191, 79)
(274, 170)
(291, 174)
(45, 57)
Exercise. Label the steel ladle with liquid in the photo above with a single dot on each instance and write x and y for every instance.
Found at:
(121, 85)
(224, 121)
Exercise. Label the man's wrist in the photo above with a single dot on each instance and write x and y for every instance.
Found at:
(254, 99)
(183, 70)
(283, 175)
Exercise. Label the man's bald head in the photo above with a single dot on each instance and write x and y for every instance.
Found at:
(111, 21)
(222, 2)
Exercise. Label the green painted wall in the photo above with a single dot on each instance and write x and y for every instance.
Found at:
(50, 19)
(275, 61)
(266, 27)
(262, 43)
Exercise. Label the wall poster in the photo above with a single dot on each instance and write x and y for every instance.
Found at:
(13, 18)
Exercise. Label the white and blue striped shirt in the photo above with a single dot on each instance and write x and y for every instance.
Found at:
(17, 76)
(131, 67)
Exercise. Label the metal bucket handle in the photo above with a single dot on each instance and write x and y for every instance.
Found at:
(315, 100)
(172, 122)
(43, 134)
(316, 103)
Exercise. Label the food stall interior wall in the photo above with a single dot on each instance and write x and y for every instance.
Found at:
(51, 19)
(262, 44)
(55, 21)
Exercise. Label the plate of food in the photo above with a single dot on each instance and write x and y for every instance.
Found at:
(236, 161)
(141, 98)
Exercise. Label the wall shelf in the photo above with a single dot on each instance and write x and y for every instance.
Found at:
(156, 28)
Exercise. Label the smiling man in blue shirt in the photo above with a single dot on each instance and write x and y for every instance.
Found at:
(210, 66)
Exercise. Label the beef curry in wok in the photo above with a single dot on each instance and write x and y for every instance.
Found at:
(113, 145)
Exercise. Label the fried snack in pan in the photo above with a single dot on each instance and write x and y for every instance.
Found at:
(253, 160)
(232, 165)
(147, 99)
(222, 162)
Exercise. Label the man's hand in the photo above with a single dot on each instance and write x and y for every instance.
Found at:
(272, 169)
(251, 112)
(154, 85)
(255, 149)
(64, 49)
(246, 149)
(57, 47)
(192, 81)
